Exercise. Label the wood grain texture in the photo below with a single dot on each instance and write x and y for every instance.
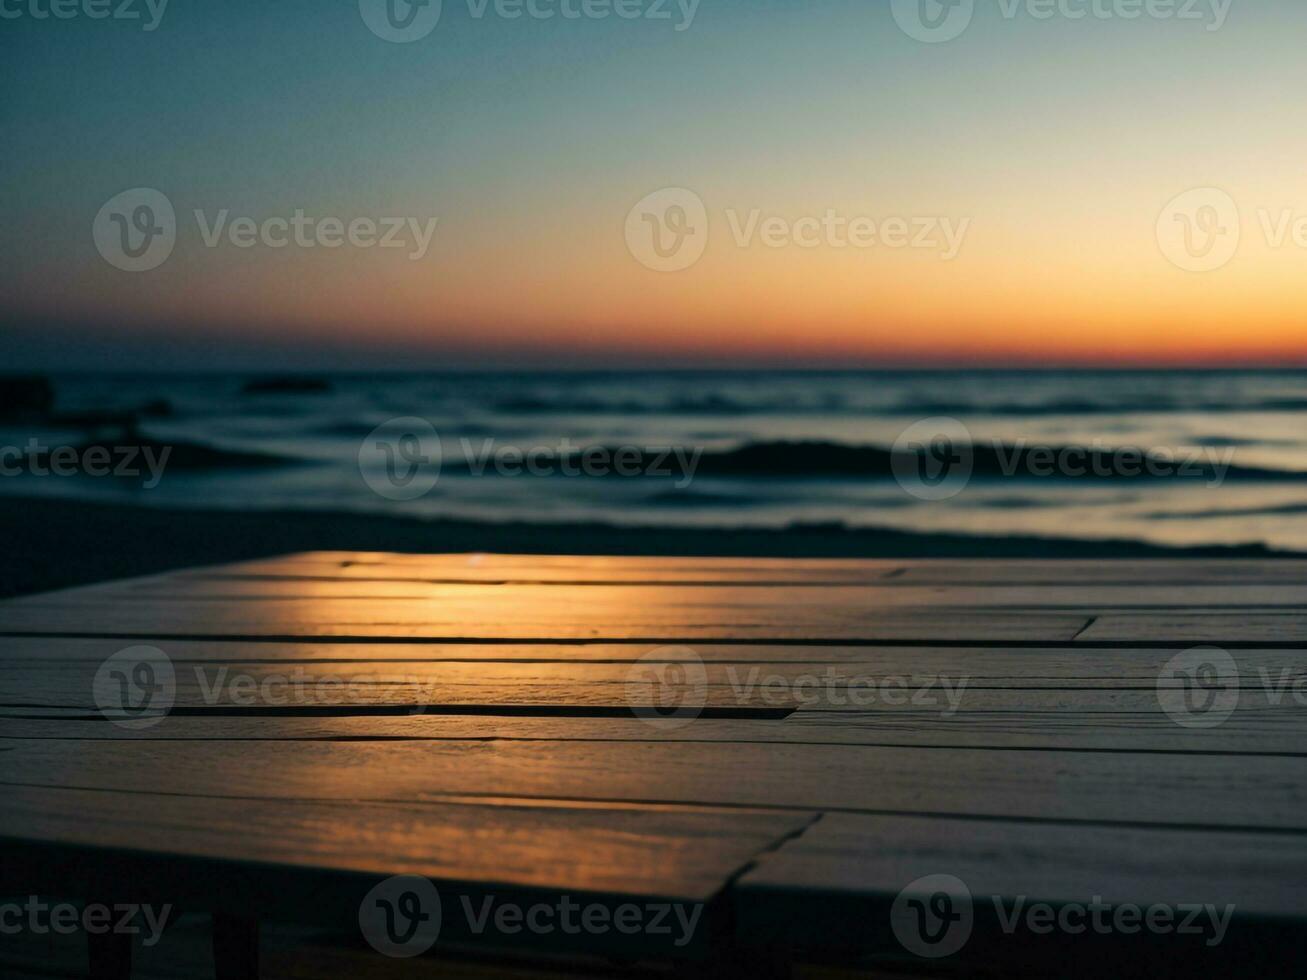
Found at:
(839, 703)
(1064, 666)
(628, 850)
(1185, 627)
(568, 568)
(898, 682)
(507, 615)
(876, 856)
(1201, 790)
(1000, 721)
(832, 891)
(262, 686)
(743, 567)
(318, 862)
(1253, 729)
(1145, 571)
(708, 595)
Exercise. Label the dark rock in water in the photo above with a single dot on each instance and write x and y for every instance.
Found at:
(286, 386)
(160, 408)
(25, 398)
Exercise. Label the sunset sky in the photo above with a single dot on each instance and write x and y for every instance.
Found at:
(1058, 142)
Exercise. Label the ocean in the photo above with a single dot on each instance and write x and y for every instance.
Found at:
(1181, 458)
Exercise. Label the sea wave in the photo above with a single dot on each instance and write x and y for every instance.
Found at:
(822, 459)
(720, 405)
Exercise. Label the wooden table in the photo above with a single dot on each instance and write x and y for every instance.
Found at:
(808, 761)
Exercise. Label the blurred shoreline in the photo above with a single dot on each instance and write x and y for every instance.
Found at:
(1181, 459)
(52, 544)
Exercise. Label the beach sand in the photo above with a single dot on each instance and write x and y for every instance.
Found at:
(52, 544)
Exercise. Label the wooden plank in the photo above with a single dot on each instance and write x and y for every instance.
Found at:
(482, 567)
(858, 854)
(1077, 567)
(446, 686)
(998, 663)
(1186, 627)
(1146, 571)
(630, 850)
(638, 562)
(1052, 573)
(892, 590)
(841, 703)
(1095, 597)
(894, 681)
(1133, 788)
(832, 890)
(1258, 730)
(1046, 666)
(306, 861)
(816, 684)
(527, 574)
(512, 615)
(1061, 668)
(1057, 731)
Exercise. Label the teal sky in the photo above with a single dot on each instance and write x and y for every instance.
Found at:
(530, 140)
